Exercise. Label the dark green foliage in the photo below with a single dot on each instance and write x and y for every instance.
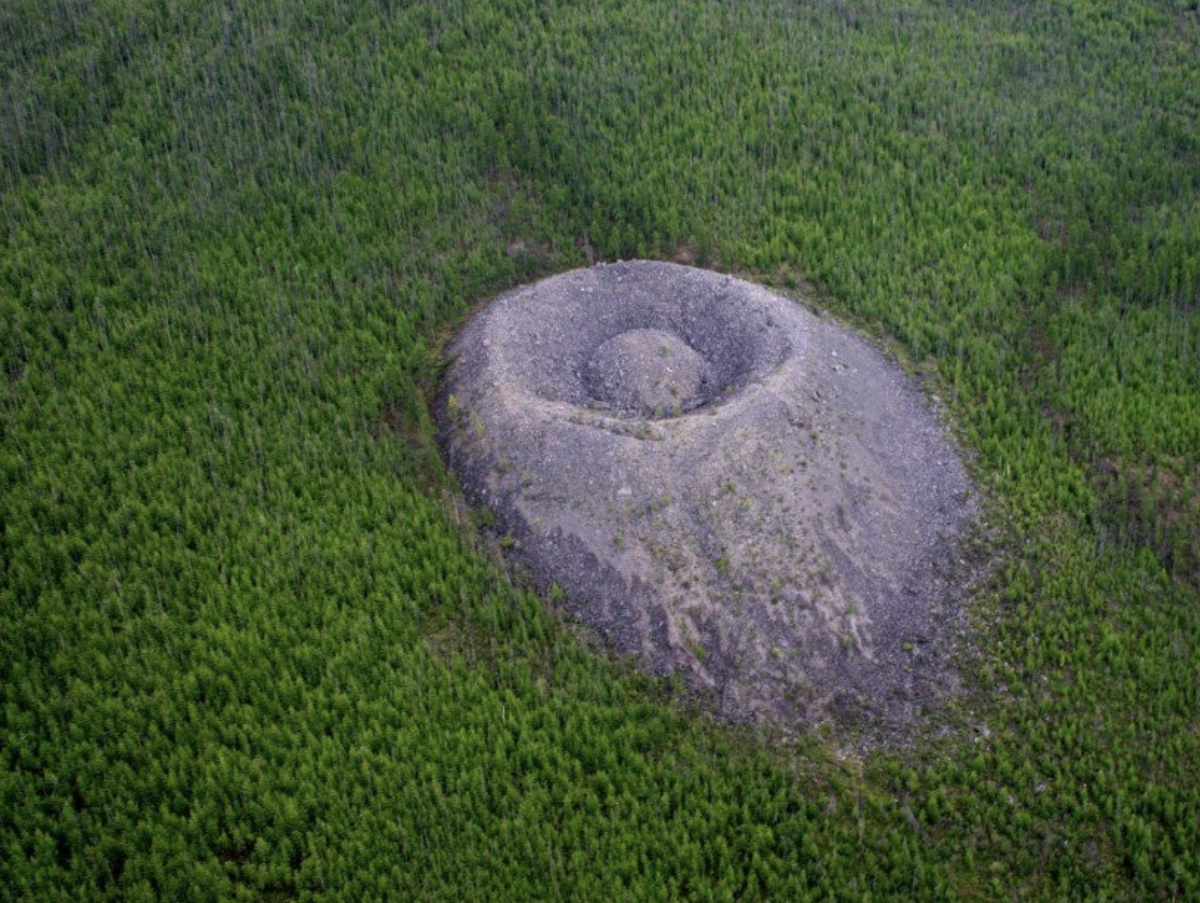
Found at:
(247, 649)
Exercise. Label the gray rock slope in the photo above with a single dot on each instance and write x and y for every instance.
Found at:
(720, 483)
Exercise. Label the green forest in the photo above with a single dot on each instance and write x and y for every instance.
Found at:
(253, 647)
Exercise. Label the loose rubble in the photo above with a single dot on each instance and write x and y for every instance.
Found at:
(714, 479)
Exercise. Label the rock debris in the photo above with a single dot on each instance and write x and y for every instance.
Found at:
(721, 483)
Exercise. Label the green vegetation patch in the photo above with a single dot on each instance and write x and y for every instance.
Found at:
(248, 648)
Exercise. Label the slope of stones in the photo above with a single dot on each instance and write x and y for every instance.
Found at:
(720, 483)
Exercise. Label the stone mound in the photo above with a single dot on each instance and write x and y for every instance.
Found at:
(648, 372)
(721, 483)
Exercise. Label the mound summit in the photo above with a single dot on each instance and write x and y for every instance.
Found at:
(720, 483)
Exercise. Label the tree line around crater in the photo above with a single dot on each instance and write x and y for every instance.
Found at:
(249, 647)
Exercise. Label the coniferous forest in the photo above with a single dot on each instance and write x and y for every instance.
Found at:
(251, 646)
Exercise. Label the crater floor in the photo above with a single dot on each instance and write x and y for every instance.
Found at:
(722, 484)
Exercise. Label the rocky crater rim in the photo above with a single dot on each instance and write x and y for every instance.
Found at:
(644, 348)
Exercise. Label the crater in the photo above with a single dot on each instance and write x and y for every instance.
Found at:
(722, 484)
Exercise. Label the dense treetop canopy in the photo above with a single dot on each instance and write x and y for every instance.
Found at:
(250, 646)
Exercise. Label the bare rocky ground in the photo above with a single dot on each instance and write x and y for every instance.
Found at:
(718, 481)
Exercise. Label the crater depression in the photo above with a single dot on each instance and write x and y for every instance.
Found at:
(720, 483)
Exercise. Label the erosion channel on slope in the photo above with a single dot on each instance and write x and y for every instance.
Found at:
(721, 483)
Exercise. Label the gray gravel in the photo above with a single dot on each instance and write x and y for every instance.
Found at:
(722, 484)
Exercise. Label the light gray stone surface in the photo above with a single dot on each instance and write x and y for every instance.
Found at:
(722, 484)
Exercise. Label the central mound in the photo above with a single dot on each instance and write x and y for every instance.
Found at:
(720, 483)
(647, 372)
